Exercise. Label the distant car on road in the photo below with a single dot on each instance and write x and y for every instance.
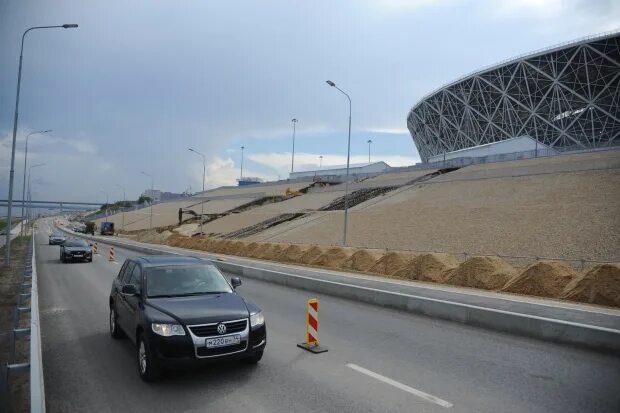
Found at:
(74, 249)
(180, 310)
(56, 238)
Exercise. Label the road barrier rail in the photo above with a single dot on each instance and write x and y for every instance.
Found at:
(28, 292)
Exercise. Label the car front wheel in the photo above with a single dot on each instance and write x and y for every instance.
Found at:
(115, 331)
(148, 364)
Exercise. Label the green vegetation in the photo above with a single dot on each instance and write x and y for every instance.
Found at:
(3, 222)
(115, 206)
(143, 199)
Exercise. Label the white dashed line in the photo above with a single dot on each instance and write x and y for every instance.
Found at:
(398, 385)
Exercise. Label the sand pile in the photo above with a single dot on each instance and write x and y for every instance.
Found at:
(600, 285)
(361, 260)
(428, 267)
(389, 263)
(543, 279)
(153, 237)
(273, 252)
(487, 273)
(260, 250)
(311, 254)
(293, 253)
(333, 257)
(249, 249)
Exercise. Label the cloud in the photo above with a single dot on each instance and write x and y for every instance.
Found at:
(395, 131)
(220, 172)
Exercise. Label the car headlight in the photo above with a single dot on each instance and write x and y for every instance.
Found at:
(167, 330)
(257, 319)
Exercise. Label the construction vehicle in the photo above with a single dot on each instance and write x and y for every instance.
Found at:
(90, 228)
(107, 228)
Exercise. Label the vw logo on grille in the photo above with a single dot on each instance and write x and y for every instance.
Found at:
(221, 328)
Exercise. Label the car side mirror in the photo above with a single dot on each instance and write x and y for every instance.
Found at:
(129, 289)
(235, 281)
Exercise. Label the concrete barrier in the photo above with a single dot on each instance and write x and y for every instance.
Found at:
(548, 329)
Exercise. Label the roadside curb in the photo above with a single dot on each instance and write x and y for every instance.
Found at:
(548, 329)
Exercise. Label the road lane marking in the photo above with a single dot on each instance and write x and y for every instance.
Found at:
(401, 386)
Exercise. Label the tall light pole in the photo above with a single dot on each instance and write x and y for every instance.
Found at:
(242, 148)
(151, 207)
(29, 193)
(123, 208)
(321, 162)
(24, 180)
(293, 154)
(369, 142)
(204, 171)
(346, 183)
(7, 248)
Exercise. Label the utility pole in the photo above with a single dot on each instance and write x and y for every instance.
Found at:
(293, 153)
(7, 247)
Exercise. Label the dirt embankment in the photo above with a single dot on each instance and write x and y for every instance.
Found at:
(549, 279)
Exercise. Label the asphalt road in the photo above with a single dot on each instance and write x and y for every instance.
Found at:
(378, 360)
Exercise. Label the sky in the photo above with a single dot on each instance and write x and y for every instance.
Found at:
(141, 81)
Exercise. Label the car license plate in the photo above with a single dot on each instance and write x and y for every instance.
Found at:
(78, 255)
(223, 341)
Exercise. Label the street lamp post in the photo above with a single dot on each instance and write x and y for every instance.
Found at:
(29, 193)
(321, 162)
(7, 248)
(346, 183)
(123, 207)
(151, 203)
(242, 148)
(204, 171)
(369, 142)
(24, 180)
(293, 154)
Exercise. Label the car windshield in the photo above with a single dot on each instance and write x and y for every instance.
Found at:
(75, 243)
(175, 281)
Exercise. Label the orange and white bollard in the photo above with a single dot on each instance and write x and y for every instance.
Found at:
(96, 248)
(111, 254)
(312, 343)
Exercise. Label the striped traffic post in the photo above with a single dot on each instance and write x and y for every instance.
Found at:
(312, 343)
(111, 254)
(96, 248)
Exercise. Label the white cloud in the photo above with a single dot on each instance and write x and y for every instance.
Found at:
(220, 172)
(395, 131)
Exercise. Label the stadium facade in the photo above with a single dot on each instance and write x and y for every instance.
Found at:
(566, 97)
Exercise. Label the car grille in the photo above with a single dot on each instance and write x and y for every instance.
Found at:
(205, 352)
(211, 329)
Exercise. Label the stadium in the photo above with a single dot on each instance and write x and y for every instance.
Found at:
(565, 98)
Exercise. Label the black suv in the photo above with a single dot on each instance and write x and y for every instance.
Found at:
(74, 249)
(181, 309)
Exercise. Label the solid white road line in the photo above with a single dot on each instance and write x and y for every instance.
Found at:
(398, 385)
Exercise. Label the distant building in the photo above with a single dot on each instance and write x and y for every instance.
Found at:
(154, 194)
(354, 169)
(520, 144)
(249, 180)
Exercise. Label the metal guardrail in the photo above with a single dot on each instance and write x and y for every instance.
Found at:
(35, 363)
(37, 385)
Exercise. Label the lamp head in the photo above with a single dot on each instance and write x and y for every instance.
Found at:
(69, 26)
(329, 82)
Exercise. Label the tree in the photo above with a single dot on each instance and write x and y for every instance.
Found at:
(144, 198)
